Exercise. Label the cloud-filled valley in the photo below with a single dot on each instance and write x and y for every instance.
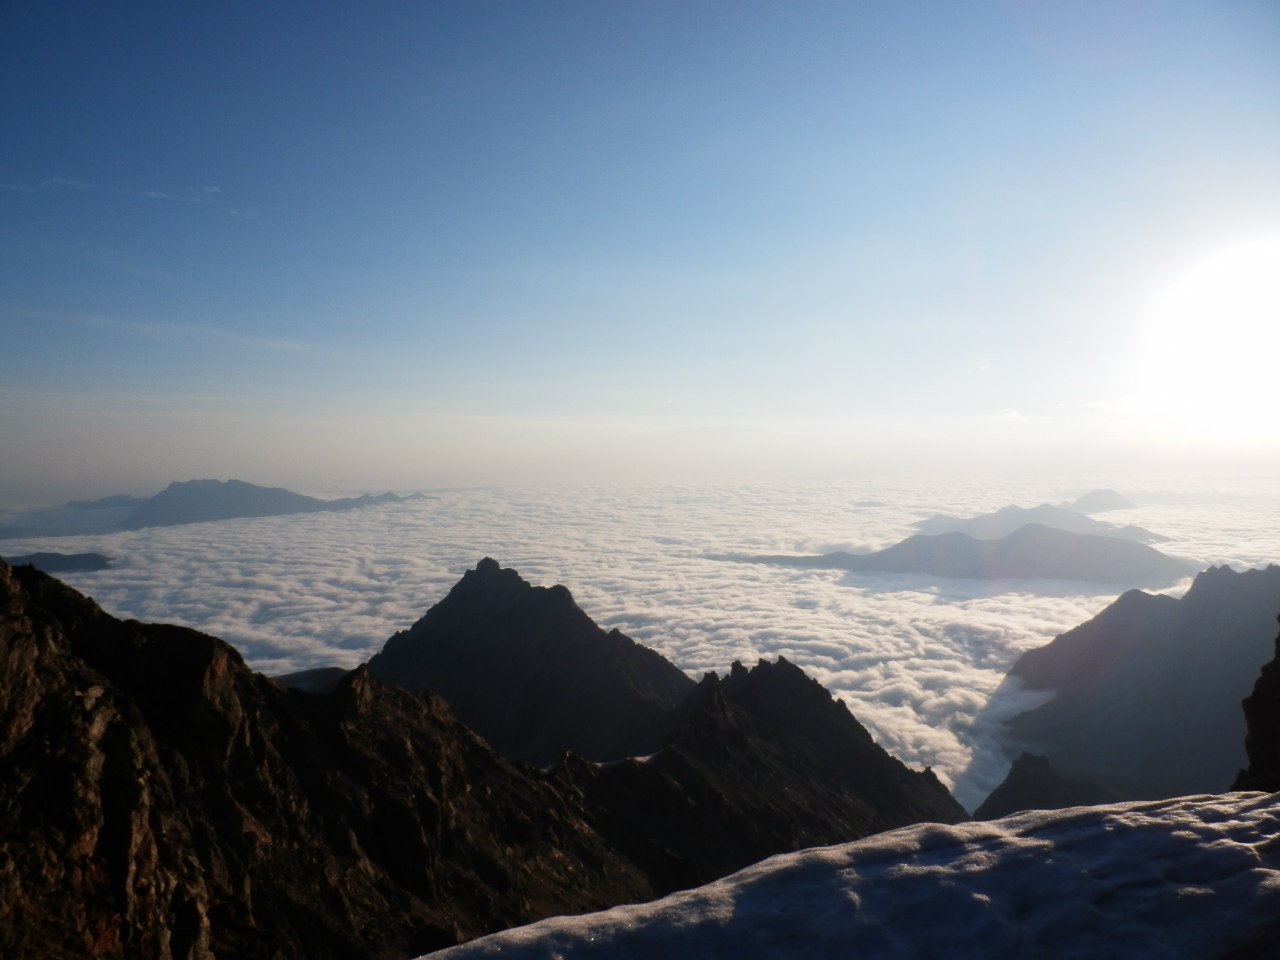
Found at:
(917, 660)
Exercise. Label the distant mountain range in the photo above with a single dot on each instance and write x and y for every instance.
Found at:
(1007, 520)
(161, 800)
(191, 501)
(1032, 551)
(60, 562)
(1148, 692)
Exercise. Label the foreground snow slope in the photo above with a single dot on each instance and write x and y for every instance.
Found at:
(1196, 877)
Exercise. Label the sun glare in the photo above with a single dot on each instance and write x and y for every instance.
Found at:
(1210, 349)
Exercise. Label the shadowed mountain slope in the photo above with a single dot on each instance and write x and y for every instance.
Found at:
(1149, 690)
(1033, 551)
(530, 672)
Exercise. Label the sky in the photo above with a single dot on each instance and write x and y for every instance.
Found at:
(341, 247)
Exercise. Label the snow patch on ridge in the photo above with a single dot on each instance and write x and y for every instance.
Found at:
(1194, 877)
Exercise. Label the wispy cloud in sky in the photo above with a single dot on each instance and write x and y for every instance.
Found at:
(53, 183)
(184, 331)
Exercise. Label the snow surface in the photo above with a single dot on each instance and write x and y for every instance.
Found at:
(1196, 877)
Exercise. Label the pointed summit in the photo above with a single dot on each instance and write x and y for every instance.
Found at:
(534, 675)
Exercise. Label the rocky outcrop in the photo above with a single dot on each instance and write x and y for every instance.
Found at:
(1033, 784)
(530, 672)
(1262, 742)
(1148, 692)
(159, 800)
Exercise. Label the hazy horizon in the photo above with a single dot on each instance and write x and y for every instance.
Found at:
(456, 244)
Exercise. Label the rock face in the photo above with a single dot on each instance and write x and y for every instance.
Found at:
(530, 672)
(157, 799)
(1033, 551)
(1148, 692)
(1262, 743)
(1032, 784)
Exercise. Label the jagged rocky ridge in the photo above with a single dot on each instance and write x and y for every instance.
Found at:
(1148, 691)
(158, 799)
(732, 770)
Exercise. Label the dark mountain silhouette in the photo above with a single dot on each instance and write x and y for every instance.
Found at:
(530, 672)
(1099, 501)
(1033, 784)
(765, 761)
(1149, 690)
(60, 562)
(1262, 742)
(1033, 551)
(1007, 520)
(158, 799)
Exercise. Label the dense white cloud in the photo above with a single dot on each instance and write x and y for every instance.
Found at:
(917, 661)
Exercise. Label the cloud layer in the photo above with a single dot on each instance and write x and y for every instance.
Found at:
(917, 661)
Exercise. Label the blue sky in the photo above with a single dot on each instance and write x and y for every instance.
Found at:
(410, 244)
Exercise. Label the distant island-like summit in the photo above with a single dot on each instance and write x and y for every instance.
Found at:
(1033, 551)
(190, 501)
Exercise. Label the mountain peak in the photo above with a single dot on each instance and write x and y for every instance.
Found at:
(527, 669)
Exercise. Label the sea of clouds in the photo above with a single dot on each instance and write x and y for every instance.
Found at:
(918, 661)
